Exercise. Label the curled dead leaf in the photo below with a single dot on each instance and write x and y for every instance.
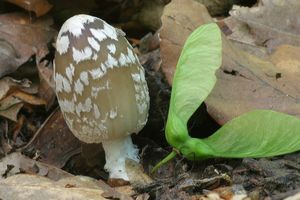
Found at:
(12, 112)
(7, 84)
(13, 95)
(28, 98)
(8, 102)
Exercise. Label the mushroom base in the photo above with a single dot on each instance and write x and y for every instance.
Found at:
(116, 153)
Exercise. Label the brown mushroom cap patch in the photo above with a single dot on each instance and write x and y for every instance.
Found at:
(100, 84)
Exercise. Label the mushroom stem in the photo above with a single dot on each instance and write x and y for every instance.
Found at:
(116, 153)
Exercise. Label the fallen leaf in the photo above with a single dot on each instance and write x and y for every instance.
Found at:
(44, 67)
(8, 102)
(17, 49)
(13, 95)
(16, 18)
(24, 186)
(40, 7)
(16, 163)
(190, 183)
(233, 192)
(12, 112)
(287, 58)
(8, 84)
(240, 35)
(246, 82)
(136, 174)
(271, 22)
(294, 197)
(127, 189)
(25, 18)
(28, 98)
(53, 142)
(144, 196)
(46, 86)
(9, 58)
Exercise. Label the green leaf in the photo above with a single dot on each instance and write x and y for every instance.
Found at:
(193, 80)
(259, 133)
(195, 72)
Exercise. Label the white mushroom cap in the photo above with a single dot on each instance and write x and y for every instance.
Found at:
(100, 84)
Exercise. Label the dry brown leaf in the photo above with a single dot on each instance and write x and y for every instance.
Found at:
(20, 41)
(28, 98)
(178, 21)
(16, 163)
(239, 34)
(287, 58)
(46, 86)
(127, 189)
(54, 142)
(39, 7)
(24, 186)
(9, 58)
(8, 102)
(25, 18)
(12, 112)
(235, 192)
(11, 105)
(144, 196)
(271, 22)
(293, 197)
(8, 84)
(53, 181)
(13, 94)
(136, 174)
(246, 82)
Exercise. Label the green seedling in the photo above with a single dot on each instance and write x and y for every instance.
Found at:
(258, 133)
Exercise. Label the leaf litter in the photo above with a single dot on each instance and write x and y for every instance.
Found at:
(263, 74)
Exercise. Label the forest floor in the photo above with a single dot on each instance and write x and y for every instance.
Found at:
(40, 157)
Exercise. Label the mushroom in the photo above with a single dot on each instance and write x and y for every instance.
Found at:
(101, 88)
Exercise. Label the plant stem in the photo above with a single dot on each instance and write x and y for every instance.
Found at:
(164, 161)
